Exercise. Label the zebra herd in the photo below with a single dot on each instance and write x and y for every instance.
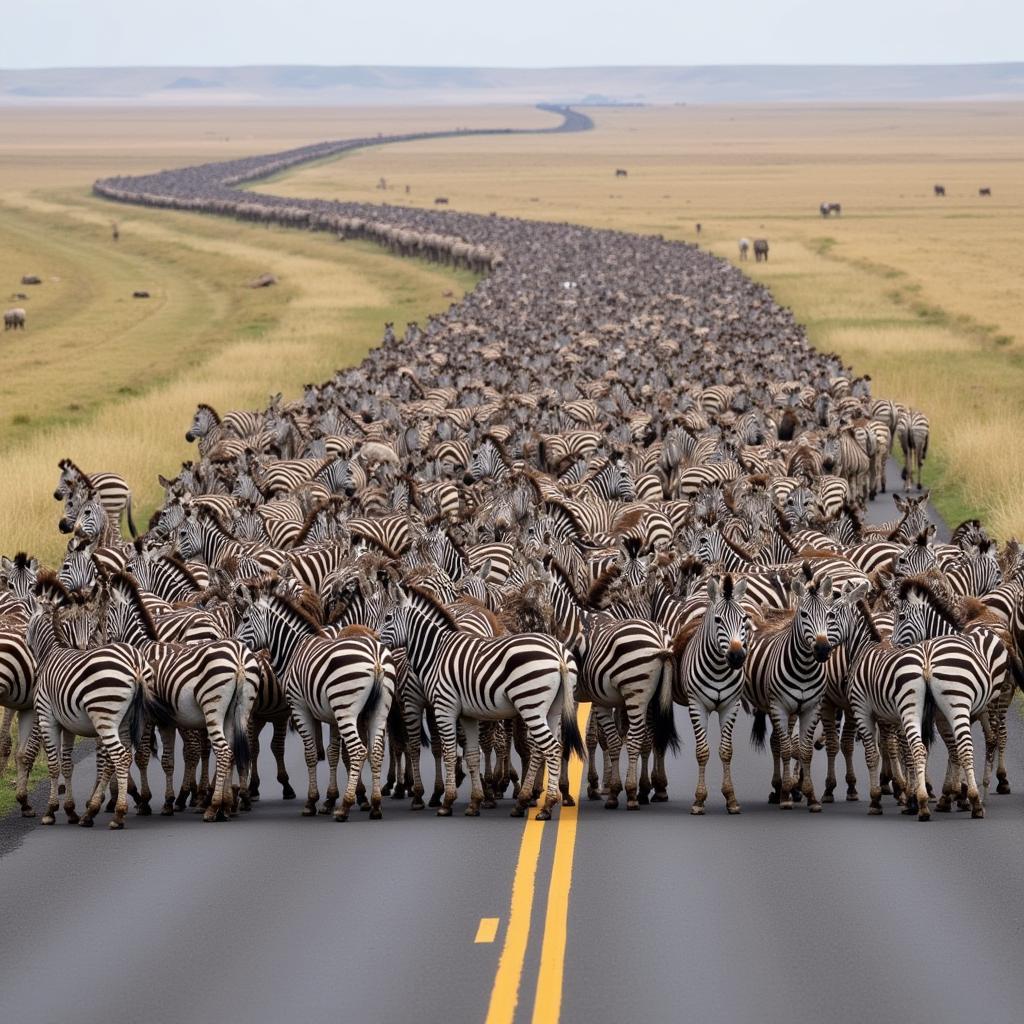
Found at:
(643, 492)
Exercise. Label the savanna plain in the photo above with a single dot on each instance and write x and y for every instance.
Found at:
(923, 293)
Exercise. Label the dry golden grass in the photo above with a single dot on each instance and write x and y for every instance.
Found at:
(113, 381)
(920, 292)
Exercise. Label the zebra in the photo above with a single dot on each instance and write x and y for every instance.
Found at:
(17, 695)
(965, 670)
(886, 687)
(468, 678)
(97, 692)
(784, 679)
(111, 489)
(625, 665)
(347, 681)
(912, 429)
(710, 679)
(207, 686)
(202, 536)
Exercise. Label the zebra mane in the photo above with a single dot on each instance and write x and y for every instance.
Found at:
(21, 560)
(737, 549)
(70, 464)
(568, 513)
(47, 579)
(469, 601)
(182, 570)
(434, 606)
(357, 629)
(855, 518)
(127, 585)
(499, 447)
(265, 588)
(599, 588)
(307, 523)
(869, 621)
(727, 587)
(552, 564)
(210, 409)
(921, 587)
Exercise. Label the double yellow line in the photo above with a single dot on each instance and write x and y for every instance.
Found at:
(547, 1004)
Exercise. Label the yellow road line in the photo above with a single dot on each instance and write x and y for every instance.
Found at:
(547, 1004)
(505, 993)
(486, 930)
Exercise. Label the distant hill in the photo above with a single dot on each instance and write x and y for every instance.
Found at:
(304, 86)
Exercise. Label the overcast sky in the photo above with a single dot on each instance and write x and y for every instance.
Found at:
(512, 33)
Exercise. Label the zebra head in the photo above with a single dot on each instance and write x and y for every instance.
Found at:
(920, 613)
(91, 521)
(917, 558)
(488, 462)
(395, 621)
(831, 452)
(246, 489)
(70, 477)
(814, 622)
(18, 575)
(914, 516)
(204, 420)
(74, 499)
(800, 506)
(727, 619)
(78, 572)
(188, 540)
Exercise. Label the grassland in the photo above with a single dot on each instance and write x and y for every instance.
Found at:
(920, 292)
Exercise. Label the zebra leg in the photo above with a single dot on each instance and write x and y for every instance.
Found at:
(646, 747)
(990, 750)
(472, 750)
(849, 735)
(1003, 783)
(951, 779)
(50, 738)
(593, 787)
(392, 770)
(304, 726)
(828, 727)
(216, 811)
(120, 760)
(376, 756)
(280, 727)
(899, 780)
(333, 756)
(253, 731)
(167, 734)
(448, 732)
(191, 753)
(699, 721)
(143, 753)
(356, 751)
(318, 737)
(104, 772)
(726, 724)
(437, 749)
(67, 769)
(546, 736)
(526, 789)
(776, 794)
(29, 742)
(412, 714)
(499, 781)
(873, 758)
(805, 748)
(965, 754)
(780, 731)
(486, 731)
(660, 779)
(636, 718)
(613, 752)
(6, 738)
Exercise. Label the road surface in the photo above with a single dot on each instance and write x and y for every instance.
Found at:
(598, 917)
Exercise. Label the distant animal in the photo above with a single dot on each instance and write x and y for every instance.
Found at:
(31, 279)
(698, 229)
(621, 172)
(14, 318)
(19, 295)
(761, 249)
(829, 208)
(441, 201)
(114, 232)
(940, 190)
(263, 281)
(984, 192)
(140, 294)
(744, 248)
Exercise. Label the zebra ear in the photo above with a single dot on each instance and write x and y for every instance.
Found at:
(826, 587)
(852, 594)
(739, 591)
(713, 590)
(485, 570)
(797, 586)
(6, 565)
(901, 503)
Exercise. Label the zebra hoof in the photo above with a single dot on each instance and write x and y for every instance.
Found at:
(592, 793)
(733, 808)
(786, 805)
(341, 816)
(924, 816)
(611, 803)
(544, 815)
(517, 812)
(660, 797)
(309, 810)
(814, 808)
(386, 790)
(489, 804)
(376, 814)
(978, 812)
(114, 826)
(645, 799)
(568, 800)
(417, 804)
(827, 798)
(287, 793)
(1003, 788)
(444, 812)
(47, 819)
(86, 822)
(27, 812)
(632, 805)
(852, 796)
(167, 810)
(435, 800)
(697, 809)
(144, 810)
(472, 812)
(874, 809)
(773, 798)
(74, 820)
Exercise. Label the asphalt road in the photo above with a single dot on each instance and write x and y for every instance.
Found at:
(769, 916)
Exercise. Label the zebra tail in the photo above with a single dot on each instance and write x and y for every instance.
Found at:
(136, 714)
(131, 522)
(663, 719)
(367, 712)
(928, 718)
(240, 749)
(571, 738)
(1017, 669)
(159, 711)
(759, 730)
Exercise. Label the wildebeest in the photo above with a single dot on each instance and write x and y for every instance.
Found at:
(140, 293)
(830, 208)
(761, 249)
(744, 248)
(31, 279)
(940, 190)
(14, 318)
(441, 201)
(621, 172)
(984, 192)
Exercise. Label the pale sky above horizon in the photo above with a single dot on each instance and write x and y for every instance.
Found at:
(524, 33)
